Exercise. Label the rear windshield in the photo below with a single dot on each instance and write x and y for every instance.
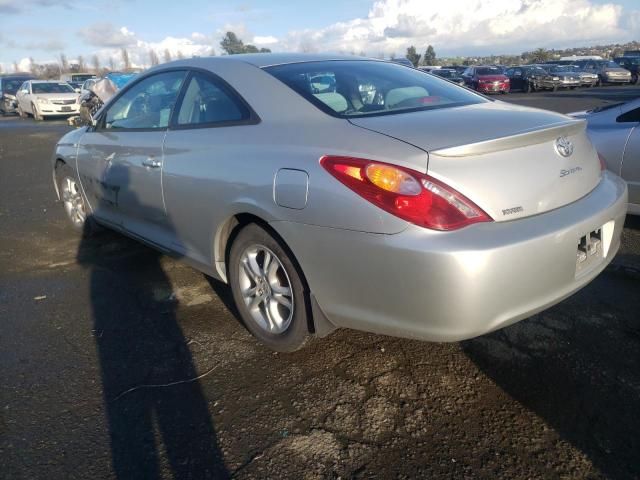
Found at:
(51, 88)
(359, 88)
(489, 71)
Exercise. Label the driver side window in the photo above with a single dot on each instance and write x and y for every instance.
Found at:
(147, 104)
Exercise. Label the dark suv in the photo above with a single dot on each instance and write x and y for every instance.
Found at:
(632, 64)
(9, 85)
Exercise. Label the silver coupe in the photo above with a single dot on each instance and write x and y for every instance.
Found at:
(334, 191)
(614, 129)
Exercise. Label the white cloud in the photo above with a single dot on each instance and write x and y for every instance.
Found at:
(105, 34)
(267, 40)
(465, 26)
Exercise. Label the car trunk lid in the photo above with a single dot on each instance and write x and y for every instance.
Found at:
(506, 159)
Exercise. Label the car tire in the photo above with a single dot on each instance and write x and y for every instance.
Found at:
(554, 88)
(36, 115)
(260, 297)
(528, 88)
(73, 200)
(21, 113)
(635, 79)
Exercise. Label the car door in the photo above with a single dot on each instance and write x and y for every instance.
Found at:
(205, 147)
(120, 160)
(630, 170)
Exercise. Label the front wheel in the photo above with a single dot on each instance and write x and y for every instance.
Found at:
(36, 115)
(268, 290)
(74, 203)
(21, 113)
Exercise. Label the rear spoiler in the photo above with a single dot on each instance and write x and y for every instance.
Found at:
(522, 139)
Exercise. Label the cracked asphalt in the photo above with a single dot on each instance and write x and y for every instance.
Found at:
(119, 362)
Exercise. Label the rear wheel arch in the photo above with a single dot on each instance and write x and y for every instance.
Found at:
(225, 237)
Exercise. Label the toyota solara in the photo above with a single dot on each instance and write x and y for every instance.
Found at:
(338, 192)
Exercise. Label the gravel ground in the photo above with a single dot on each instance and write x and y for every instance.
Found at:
(118, 362)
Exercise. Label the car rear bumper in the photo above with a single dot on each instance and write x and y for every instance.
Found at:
(450, 286)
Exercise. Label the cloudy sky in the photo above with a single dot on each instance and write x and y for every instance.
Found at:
(42, 29)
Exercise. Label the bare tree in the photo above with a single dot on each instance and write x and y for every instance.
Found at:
(1, 69)
(95, 61)
(81, 65)
(167, 55)
(112, 64)
(125, 59)
(16, 67)
(180, 55)
(33, 67)
(212, 52)
(64, 63)
(153, 57)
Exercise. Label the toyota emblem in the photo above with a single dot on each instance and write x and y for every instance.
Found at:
(564, 146)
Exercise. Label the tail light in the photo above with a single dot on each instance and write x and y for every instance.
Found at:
(405, 193)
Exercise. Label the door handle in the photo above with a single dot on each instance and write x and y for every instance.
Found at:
(152, 163)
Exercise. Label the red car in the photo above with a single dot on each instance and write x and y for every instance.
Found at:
(486, 79)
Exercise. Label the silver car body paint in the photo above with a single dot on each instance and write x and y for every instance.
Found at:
(366, 268)
(619, 143)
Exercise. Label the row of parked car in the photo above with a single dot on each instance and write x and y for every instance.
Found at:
(550, 76)
(26, 95)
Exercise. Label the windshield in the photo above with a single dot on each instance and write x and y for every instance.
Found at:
(11, 85)
(489, 71)
(565, 68)
(358, 88)
(610, 64)
(51, 88)
(445, 73)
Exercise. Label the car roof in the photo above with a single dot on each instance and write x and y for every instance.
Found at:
(262, 60)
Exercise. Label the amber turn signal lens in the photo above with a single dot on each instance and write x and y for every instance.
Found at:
(392, 179)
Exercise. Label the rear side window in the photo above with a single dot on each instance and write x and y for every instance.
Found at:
(206, 101)
(358, 88)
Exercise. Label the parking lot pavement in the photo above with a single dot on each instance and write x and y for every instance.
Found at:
(118, 362)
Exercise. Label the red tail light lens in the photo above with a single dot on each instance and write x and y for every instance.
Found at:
(405, 193)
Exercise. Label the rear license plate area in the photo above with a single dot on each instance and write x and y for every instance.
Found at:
(65, 109)
(592, 248)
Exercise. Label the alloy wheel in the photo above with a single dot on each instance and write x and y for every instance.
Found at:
(72, 199)
(266, 289)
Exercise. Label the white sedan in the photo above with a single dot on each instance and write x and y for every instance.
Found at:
(45, 98)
